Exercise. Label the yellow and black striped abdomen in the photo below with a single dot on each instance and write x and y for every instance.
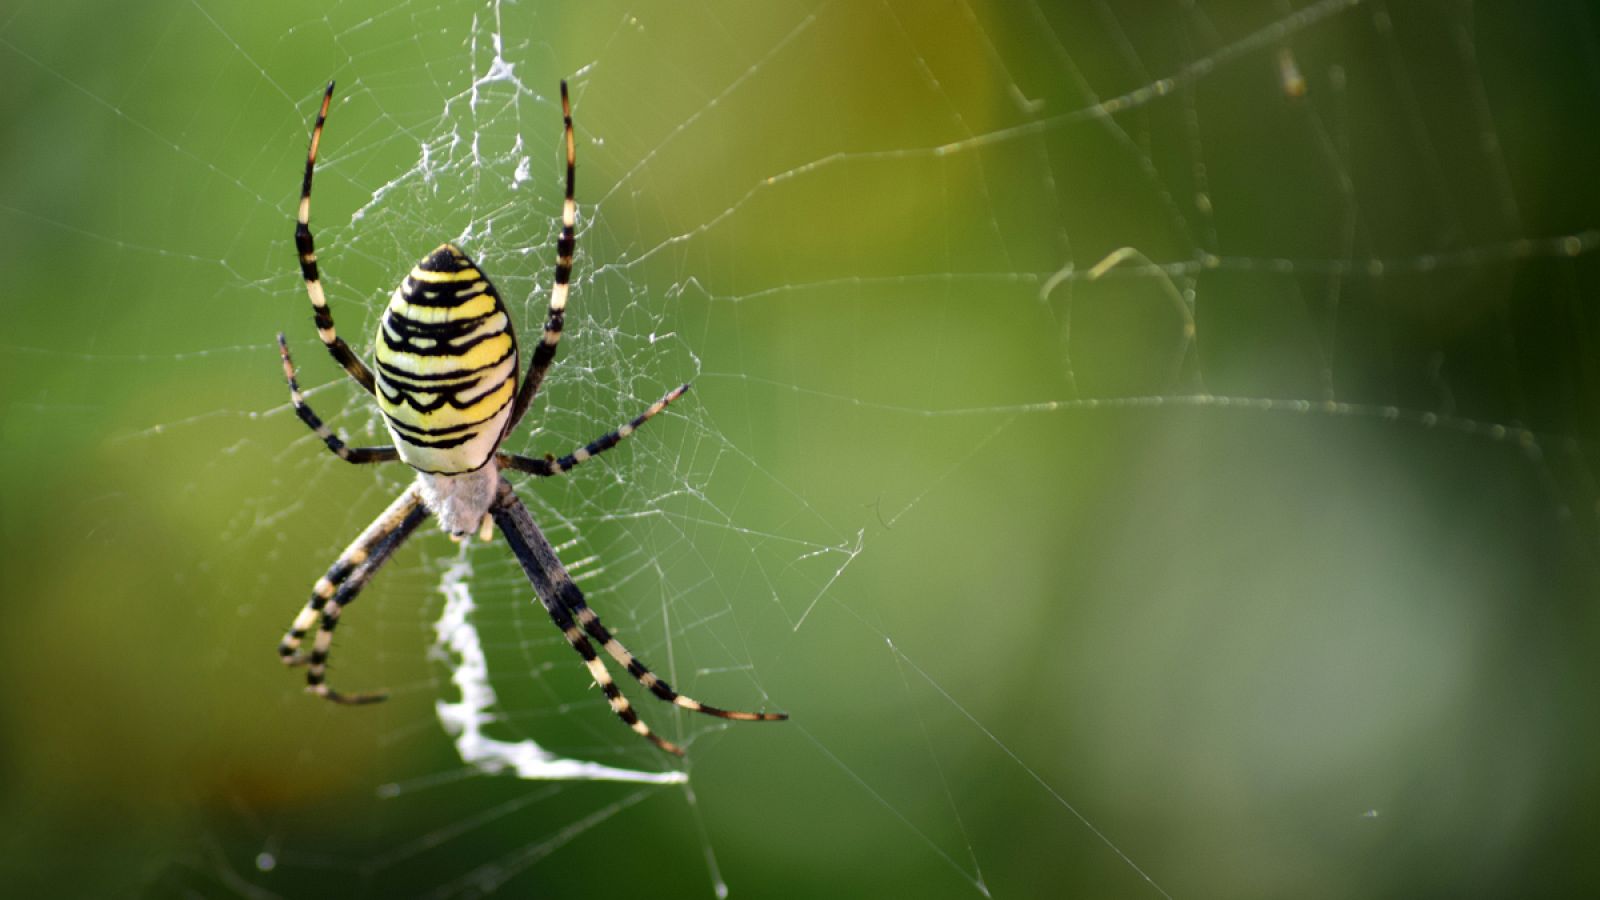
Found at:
(446, 365)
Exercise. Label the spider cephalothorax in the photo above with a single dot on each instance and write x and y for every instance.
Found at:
(447, 386)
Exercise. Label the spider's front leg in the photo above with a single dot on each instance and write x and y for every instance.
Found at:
(566, 607)
(338, 589)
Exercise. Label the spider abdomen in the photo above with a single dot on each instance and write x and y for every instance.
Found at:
(446, 365)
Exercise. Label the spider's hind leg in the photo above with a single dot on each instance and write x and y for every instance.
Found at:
(566, 246)
(306, 249)
(357, 455)
(553, 466)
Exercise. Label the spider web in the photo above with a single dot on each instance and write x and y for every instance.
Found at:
(1148, 448)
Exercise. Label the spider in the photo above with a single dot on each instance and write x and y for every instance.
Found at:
(445, 381)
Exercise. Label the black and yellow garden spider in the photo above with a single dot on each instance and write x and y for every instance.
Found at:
(446, 383)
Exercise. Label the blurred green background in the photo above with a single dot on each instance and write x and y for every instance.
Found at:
(1051, 618)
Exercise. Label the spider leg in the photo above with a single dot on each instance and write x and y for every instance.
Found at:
(563, 601)
(338, 589)
(350, 455)
(573, 599)
(356, 555)
(566, 245)
(539, 561)
(308, 263)
(552, 466)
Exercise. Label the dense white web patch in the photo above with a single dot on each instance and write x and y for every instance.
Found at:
(460, 647)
